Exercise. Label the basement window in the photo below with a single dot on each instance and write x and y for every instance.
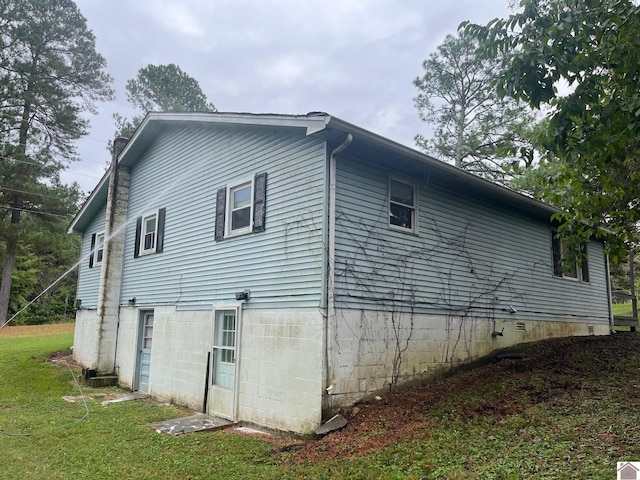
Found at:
(402, 205)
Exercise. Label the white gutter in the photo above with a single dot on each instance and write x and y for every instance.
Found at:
(331, 260)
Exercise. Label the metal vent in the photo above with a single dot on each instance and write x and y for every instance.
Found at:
(590, 329)
(520, 327)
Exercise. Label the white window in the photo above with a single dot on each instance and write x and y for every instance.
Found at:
(402, 205)
(239, 208)
(148, 235)
(99, 252)
(563, 266)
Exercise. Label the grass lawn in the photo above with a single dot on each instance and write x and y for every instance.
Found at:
(573, 417)
(622, 309)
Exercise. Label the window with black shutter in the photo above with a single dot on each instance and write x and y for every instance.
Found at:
(150, 233)
(96, 250)
(241, 207)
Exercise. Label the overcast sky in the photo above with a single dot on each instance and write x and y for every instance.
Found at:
(354, 59)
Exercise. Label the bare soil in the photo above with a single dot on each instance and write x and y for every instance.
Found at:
(558, 371)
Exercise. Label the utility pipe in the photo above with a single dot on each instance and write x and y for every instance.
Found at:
(331, 307)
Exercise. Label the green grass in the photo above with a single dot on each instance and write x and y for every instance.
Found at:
(44, 437)
(622, 309)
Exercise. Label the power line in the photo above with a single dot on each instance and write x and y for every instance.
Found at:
(40, 165)
(28, 193)
(9, 207)
(61, 129)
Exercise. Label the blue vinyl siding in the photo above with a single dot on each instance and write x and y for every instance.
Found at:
(89, 278)
(470, 257)
(182, 171)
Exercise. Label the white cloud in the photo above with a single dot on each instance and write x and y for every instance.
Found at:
(352, 58)
(178, 17)
(294, 68)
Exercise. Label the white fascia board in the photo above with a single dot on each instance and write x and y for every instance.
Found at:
(94, 193)
(462, 175)
(312, 123)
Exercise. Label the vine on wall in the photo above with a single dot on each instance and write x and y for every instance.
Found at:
(382, 273)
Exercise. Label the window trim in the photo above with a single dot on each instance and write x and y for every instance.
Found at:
(414, 207)
(581, 266)
(143, 234)
(233, 186)
(99, 247)
(138, 248)
(257, 210)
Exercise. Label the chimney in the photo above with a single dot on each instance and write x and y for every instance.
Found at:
(118, 145)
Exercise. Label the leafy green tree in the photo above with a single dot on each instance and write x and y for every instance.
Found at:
(474, 128)
(50, 75)
(591, 48)
(46, 252)
(161, 88)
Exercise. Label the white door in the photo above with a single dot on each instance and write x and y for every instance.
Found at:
(145, 339)
(223, 363)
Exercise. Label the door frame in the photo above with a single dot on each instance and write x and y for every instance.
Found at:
(237, 309)
(141, 313)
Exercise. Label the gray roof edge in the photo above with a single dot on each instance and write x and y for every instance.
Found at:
(313, 122)
(500, 190)
(102, 184)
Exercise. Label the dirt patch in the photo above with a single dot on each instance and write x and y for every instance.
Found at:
(29, 330)
(555, 371)
(65, 359)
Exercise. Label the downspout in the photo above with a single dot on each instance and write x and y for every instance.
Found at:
(331, 307)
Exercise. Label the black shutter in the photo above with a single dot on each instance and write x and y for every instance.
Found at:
(259, 201)
(585, 263)
(136, 246)
(92, 251)
(221, 201)
(160, 236)
(556, 249)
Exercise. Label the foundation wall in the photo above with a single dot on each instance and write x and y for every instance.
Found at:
(373, 350)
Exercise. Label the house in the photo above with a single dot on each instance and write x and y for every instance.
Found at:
(628, 470)
(272, 269)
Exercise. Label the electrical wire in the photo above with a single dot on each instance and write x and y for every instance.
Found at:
(37, 297)
(84, 400)
(82, 396)
(63, 130)
(30, 210)
(28, 193)
(26, 162)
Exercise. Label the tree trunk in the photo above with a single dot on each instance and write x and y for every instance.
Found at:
(462, 114)
(7, 267)
(12, 236)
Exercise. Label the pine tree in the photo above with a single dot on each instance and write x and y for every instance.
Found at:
(50, 74)
(474, 128)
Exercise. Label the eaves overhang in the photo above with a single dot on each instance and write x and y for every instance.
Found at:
(371, 145)
(323, 125)
(92, 205)
(155, 122)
